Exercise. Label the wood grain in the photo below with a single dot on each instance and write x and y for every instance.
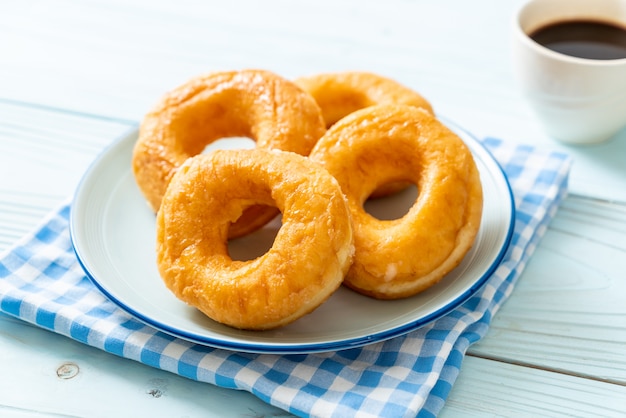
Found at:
(568, 312)
(74, 76)
(487, 389)
(116, 58)
(502, 374)
(44, 153)
(102, 385)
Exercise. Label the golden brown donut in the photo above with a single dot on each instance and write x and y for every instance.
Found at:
(340, 93)
(401, 257)
(307, 262)
(256, 104)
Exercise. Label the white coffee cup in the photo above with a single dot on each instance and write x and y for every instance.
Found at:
(578, 100)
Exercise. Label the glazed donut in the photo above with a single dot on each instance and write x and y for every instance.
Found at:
(401, 257)
(340, 93)
(308, 260)
(256, 104)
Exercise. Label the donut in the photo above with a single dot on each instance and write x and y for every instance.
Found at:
(257, 104)
(307, 262)
(340, 93)
(401, 257)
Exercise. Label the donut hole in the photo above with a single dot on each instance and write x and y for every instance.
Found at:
(393, 206)
(234, 142)
(255, 244)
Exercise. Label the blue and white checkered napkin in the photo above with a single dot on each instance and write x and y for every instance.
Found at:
(41, 282)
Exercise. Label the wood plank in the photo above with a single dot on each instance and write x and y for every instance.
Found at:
(127, 54)
(568, 312)
(59, 146)
(56, 132)
(130, 52)
(43, 155)
(486, 388)
(35, 358)
(45, 374)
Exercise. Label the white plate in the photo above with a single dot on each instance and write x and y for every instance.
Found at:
(113, 233)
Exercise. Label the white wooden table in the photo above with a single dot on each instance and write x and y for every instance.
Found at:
(75, 75)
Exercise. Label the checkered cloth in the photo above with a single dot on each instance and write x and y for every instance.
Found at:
(41, 282)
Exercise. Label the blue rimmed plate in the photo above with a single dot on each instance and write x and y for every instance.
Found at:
(113, 233)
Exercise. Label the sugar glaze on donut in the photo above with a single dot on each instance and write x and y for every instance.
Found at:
(390, 143)
(257, 104)
(340, 93)
(307, 262)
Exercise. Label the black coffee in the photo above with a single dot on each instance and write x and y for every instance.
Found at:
(584, 39)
